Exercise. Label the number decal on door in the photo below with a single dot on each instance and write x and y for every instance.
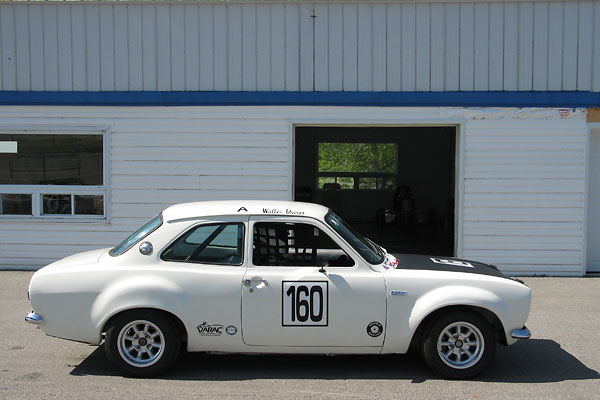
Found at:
(305, 303)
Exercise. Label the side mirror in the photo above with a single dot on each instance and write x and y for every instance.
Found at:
(146, 248)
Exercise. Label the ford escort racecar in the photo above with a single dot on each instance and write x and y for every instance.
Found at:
(274, 277)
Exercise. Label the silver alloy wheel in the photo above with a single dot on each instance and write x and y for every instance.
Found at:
(460, 345)
(141, 343)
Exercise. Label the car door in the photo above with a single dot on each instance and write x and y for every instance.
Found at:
(305, 287)
(206, 262)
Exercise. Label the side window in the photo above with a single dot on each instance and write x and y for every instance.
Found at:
(295, 244)
(208, 244)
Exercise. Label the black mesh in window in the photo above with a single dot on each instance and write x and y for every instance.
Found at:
(295, 244)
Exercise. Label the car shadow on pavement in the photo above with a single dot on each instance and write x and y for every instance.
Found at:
(532, 361)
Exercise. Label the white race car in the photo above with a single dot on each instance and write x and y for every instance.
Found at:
(274, 277)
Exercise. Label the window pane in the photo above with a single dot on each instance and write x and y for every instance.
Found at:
(368, 249)
(370, 183)
(56, 204)
(16, 204)
(345, 182)
(367, 183)
(89, 205)
(52, 160)
(209, 244)
(386, 183)
(357, 157)
(325, 179)
(291, 244)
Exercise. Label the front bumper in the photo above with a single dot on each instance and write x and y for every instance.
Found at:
(34, 318)
(522, 333)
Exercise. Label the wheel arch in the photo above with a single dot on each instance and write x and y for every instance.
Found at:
(484, 313)
(149, 293)
(181, 330)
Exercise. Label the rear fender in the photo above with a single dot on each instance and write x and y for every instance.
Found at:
(139, 292)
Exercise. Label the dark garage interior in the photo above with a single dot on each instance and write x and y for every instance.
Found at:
(395, 185)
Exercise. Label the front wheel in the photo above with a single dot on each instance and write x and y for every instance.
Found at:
(142, 343)
(459, 345)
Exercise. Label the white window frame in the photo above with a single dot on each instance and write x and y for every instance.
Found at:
(36, 191)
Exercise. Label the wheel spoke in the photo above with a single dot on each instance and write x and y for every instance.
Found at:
(156, 345)
(137, 331)
(468, 333)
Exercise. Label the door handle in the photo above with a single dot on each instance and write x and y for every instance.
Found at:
(257, 282)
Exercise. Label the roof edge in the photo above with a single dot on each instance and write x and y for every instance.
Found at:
(303, 2)
(563, 99)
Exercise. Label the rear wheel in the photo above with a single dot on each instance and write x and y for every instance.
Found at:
(142, 343)
(459, 345)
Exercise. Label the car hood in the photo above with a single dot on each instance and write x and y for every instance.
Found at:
(446, 264)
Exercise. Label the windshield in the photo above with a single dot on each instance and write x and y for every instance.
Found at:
(366, 248)
(136, 236)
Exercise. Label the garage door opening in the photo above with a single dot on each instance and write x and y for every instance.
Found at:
(395, 185)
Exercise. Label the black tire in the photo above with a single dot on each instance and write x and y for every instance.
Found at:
(152, 333)
(457, 356)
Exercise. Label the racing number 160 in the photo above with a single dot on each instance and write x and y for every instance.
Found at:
(305, 303)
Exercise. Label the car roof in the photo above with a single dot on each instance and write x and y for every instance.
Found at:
(243, 207)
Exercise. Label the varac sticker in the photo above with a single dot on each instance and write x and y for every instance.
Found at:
(305, 303)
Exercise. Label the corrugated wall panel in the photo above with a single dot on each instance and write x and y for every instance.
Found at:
(8, 46)
(524, 194)
(523, 187)
(596, 49)
(366, 46)
(158, 157)
(22, 48)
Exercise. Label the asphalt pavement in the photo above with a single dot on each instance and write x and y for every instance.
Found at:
(560, 361)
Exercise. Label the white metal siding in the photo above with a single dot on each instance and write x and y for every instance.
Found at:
(273, 47)
(158, 157)
(522, 192)
(593, 218)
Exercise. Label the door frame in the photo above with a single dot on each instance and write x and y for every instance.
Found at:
(459, 154)
(592, 129)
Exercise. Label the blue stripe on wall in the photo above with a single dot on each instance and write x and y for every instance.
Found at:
(381, 99)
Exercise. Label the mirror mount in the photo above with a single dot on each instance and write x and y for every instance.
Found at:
(322, 264)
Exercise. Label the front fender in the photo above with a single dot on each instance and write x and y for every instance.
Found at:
(138, 292)
(405, 316)
(452, 296)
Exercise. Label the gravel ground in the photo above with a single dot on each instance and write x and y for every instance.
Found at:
(561, 361)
